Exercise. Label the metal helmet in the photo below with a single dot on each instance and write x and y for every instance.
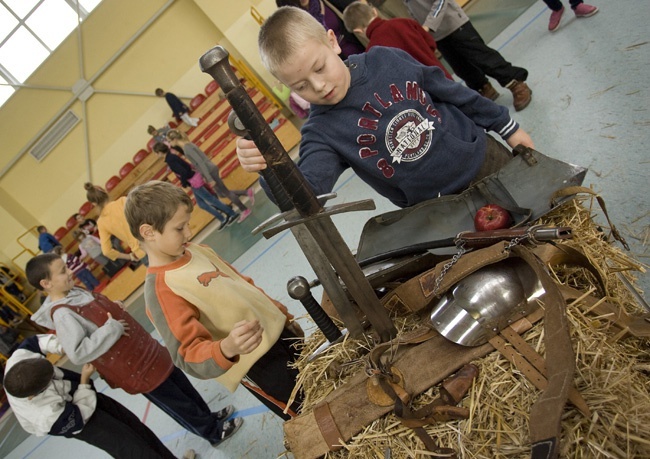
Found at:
(486, 301)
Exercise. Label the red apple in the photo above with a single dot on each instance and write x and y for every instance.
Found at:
(491, 217)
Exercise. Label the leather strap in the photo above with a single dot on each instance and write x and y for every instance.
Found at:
(327, 426)
(546, 413)
(572, 190)
(539, 366)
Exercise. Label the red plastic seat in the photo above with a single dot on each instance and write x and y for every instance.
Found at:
(58, 234)
(211, 87)
(196, 101)
(172, 125)
(151, 143)
(112, 182)
(140, 155)
(70, 223)
(86, 207)
(124, 170)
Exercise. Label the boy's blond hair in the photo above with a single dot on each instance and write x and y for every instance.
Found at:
(154, 203)
(358, 15)
(284, 33)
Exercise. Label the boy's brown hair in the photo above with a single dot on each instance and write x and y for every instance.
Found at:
(284, 33)
(38, 269)
(154, 203)
(160, 147)
(28, 377)
(358, 15)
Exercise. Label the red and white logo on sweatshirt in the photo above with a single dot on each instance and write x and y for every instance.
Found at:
(408, 136)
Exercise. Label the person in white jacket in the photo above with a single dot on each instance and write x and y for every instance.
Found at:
(48, 400)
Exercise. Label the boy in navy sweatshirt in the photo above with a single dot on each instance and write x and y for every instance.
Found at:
(405, 129)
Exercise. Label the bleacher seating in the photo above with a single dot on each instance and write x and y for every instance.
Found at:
(126, 169)
(196, 102)
(85, 208)
(112, 183)
(211, 87)
(140, 155)
(151, 143)
(71, 223)
(60, 233)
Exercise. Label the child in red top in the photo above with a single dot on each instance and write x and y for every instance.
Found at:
(402, 33)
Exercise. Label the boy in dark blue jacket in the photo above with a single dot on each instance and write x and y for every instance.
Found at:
(405, 129)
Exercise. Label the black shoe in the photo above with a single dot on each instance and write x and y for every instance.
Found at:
(225, 412)
(222, 225)
(232, 219)
(228, 430)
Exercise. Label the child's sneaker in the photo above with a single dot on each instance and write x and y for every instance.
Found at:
(229, 428)
(554, 22)
(244, 215)
(231, 219)
(225, 412)
(251, 196)
(584, 11)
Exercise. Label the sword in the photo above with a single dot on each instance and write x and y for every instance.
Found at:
(310, 212)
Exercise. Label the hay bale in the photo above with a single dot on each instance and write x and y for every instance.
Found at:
(612, 375)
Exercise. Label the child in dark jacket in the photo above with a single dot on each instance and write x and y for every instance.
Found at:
(405, 129)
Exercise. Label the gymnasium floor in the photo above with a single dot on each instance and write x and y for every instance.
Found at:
(590, 107)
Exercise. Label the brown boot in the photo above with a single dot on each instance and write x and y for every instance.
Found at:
(488, 91)
(521, 94)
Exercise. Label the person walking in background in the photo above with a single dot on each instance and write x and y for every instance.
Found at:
(466, 52)
(581, 10)
(210, 172)
(194, 180)
(179, 109)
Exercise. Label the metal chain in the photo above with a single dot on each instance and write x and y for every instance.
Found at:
(460, 245)
(461, 251)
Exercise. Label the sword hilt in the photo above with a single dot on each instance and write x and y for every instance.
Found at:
(215, 63)
(299, 289)
(281, 197)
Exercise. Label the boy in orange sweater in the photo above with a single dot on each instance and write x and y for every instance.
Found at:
(215, 322)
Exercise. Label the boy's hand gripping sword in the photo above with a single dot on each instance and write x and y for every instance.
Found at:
(317, 235)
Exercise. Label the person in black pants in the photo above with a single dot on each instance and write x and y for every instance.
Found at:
(45, 397)
(466, 52)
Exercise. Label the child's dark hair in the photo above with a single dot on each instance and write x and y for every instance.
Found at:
(154, 203)
(41, 228)
(160, 147)
(38, 269)
(28, 377)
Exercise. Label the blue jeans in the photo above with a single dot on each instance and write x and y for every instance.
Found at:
(210, 203)
(85, 276)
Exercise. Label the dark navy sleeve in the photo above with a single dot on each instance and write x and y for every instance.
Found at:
(31, 344)
(69, 422)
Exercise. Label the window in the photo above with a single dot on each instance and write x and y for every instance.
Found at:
(30, 30)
